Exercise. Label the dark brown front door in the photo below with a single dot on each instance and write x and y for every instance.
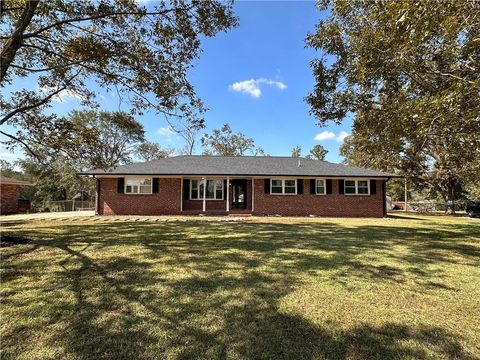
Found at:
(239, 194)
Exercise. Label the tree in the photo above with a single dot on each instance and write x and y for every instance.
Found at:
(54, 178)
(297, 151)
(224, 142)
(148, 151)
(141, 51)
(318, 152)
(409, 72)
(103, 139)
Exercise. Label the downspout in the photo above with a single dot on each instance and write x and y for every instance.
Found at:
(97, 195)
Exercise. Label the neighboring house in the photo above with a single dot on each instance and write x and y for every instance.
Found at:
(260, 185)
(9, 194)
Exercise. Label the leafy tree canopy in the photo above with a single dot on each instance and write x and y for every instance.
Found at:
(409, 72)
(141, 51)
(318, 152)
(148, 151)
(296, 151)
(102, 139)
(224, 142)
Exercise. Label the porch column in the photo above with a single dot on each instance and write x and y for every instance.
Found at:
(228, 193)
(204, 194)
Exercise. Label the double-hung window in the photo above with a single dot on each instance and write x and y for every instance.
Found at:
(357, 187)
(320, 187)
(214, 190)
(283, 187)
(138, 186)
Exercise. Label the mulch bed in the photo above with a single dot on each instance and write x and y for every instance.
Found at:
(9, 240)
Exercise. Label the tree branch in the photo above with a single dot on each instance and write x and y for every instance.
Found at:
(15, 40)
(20, 141)
(38, 103)
(100, 16)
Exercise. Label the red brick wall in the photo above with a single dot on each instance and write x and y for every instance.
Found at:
(9, 198)
(166, 201)
(321, 205)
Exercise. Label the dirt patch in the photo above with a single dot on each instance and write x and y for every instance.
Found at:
(9, 240)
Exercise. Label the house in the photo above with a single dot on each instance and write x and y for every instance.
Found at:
(258, 185)
(9, 195)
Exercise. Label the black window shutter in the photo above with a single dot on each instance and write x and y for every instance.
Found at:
(329, 186)
(267, 186)
(341, 189)
(373, 187)
(299, 186)
(225, 189)
(186, 188)
(155, 185)
(312, 186)
(121, 185)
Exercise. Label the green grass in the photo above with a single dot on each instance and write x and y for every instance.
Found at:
(398, 288)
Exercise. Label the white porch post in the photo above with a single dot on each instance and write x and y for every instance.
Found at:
(253, 195)
(228, 193)
(204, 194)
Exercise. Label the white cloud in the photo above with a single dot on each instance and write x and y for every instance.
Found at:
(330, 135)
(165, 131)
(341, 136)
(325, 135)
(252, 86)
(63, 95)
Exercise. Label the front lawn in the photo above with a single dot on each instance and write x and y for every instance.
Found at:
(262, 288)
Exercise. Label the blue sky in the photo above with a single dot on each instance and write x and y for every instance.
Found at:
(254, 77)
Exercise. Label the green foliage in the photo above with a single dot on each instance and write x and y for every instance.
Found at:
(102, 139)
(140, 50)
(318, 152)
(296, 151)
(148, 151)
(224, 142)
(409, 71)
(54, 179)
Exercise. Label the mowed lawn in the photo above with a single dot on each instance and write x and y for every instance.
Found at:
(261, 288)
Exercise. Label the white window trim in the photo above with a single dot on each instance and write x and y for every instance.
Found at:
(214, 191)
(324, 186)
(356, 187)
(138, 178)
(283, 187)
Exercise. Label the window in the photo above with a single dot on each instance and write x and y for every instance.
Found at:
(138, 185)
(214, 190)
(357, 187)
(283, 187)
(320, 188)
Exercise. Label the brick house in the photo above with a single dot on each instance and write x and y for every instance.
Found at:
(9, 194)
(260, 185)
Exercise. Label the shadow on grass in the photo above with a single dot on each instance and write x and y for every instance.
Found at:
(210, 290)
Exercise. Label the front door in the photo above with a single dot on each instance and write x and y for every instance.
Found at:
(239, 194)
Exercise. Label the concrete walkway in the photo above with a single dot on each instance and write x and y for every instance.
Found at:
(48, 216)
(90, 216)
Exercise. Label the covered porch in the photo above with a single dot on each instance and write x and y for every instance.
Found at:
(217, 195)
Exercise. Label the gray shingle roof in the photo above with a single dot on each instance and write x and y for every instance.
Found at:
(245, 165)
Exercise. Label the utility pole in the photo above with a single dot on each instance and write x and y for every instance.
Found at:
(406, 195)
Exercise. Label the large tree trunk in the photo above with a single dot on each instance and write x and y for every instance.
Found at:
(15, 40)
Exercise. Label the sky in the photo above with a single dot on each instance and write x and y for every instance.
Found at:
(255, 78)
